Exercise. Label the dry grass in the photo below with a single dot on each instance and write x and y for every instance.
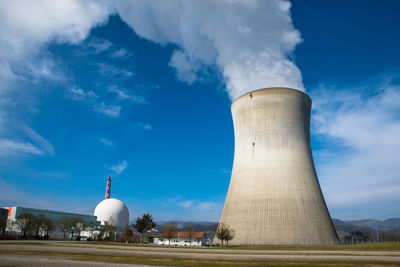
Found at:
(189, 262)
(383, 246)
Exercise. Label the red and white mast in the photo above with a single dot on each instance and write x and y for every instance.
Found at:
(108, 188)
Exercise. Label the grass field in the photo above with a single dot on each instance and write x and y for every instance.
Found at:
(382, 246)
(171, 260)
(189, 262)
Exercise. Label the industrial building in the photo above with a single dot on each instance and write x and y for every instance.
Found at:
(109, 211)
(89, 221)
(182, 239)
(112, 211)
(274, 196)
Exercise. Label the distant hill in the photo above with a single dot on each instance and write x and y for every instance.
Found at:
(369, 226)
(348, 227)
(385, 225)
(198, 226)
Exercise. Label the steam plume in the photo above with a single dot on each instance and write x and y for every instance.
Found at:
(248, 41)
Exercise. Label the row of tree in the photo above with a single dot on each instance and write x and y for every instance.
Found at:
(27, 224)
(356, 237)
(145, 224)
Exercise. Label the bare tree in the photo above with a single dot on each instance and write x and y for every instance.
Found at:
(170, 230)
(106, 231)
(39, 220)
(24, 223)
(46, 226)
(3, 224)
(92, 228)
(224, 233)
(230, 234)
(189, 228)
(64, 225)
(75, 225)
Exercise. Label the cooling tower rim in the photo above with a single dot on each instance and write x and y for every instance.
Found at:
(267, 88)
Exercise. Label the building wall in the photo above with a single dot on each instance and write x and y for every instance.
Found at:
(179, 241)
(54, 215)
(89, 220)
(274, 196)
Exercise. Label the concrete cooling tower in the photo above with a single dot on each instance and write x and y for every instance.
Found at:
(274, 196)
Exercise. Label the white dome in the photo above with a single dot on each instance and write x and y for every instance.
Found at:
(113, 211)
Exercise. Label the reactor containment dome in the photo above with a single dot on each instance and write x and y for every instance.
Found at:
(112, 211)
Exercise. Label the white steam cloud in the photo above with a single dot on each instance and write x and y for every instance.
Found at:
(248, 41)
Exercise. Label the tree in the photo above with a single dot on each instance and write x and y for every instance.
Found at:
(75, 225)
(92, 228)
(46, 226)
(64, 225)
(3, 224)
(144, 224)
(224, 233)
(106, 231)
(39, 221)
(170, 230)
(189, 228)
(24, 222)
(127, 232)
(230, 234)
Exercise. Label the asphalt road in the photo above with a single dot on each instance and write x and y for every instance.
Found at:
(24, 260)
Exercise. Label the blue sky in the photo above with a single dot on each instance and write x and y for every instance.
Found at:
(141, 91)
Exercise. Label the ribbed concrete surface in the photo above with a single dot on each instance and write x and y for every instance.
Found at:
(274, 196)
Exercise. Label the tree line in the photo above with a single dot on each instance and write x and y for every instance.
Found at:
(28, 225)
(145, 224)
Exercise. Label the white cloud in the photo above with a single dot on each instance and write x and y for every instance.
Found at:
(119, 168)
(249, 41)
(186, 204)
(114, 72)
(98, 45)
(361, 167)
(143, 125)
(124, 95)
(106, 142)
(121, 53)
(13, 148)
(109, 110)
(28, 26)
(79, 94)
(196, 205)
(38, 140)
(11, 144)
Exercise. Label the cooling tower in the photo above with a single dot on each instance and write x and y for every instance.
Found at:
(274, 196)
